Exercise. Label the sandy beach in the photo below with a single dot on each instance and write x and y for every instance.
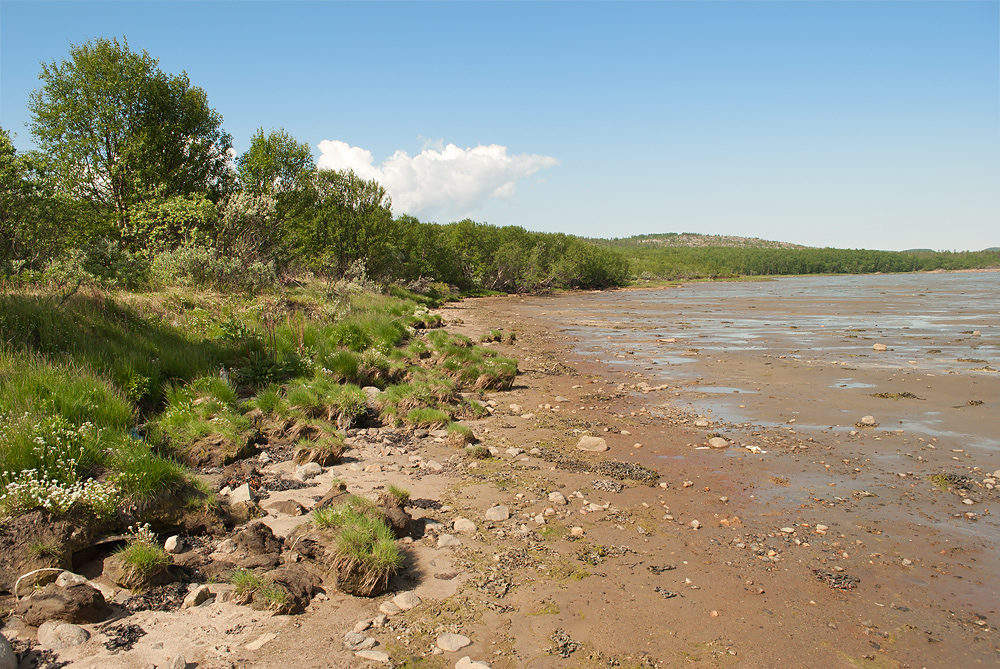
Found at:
(805, 541)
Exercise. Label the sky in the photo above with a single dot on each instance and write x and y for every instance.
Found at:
(860, 124)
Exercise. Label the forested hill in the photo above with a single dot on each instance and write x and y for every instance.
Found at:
(690, 256)
(696, 240)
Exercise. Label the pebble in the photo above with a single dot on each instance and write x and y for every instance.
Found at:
(362, 626)
(68, 578)
(591, 444)
(448, 541)
(576, 532)
(197, 597)
(496, 513)
(174, 545)
(879, 347)
(389, 609)
(450, 643)
(374, 656)
(968, 500)
(788, 530)
(868, 420)
(468, 663)
(464, 525)
(718, 442)
(406, 601)
(56, 635)
(558, 498)
(695, 524)
(177, 662)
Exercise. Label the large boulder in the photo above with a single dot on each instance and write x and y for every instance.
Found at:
(79, 603)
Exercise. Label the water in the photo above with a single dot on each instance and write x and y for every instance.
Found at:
(942, 332)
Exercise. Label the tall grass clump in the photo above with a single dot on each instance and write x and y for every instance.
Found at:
(205, 406)
(366, 554)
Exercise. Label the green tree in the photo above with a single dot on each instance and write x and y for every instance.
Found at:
(121, 131)
(274, 163)
(32, 219)
(341, 219)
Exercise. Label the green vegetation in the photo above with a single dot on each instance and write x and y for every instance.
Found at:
(142, 555)
(367, 556)
(654, 257)
(248, 586)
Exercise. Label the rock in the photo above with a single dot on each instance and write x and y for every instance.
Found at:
(576, 532)
(177, 662)
(7, 658)
(468, 663)
(68, 578)
(288, 507)
(421, 433)
(374, 656)
(406, 601)
(448, 541)
(362, 626)
(298, 582)
(592, 444)
(451, 643)
(701, 423)
(561, 400)
(389, 609)
(57, 635)
(353, 640)
(515, 408)
(695, 524)
(514, 452)
(718, 442)
(308, 470)
(968, 500)
(257, 539)
(198, 596)
(244, 493)
(464, 525)
(879, 347)
(80, 603)
(243, 512)
(259, 642)
(316, 455)
(497, 513)
(558, 498)
(788, 530)
(175, 544)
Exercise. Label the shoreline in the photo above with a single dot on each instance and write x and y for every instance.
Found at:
(731, 558)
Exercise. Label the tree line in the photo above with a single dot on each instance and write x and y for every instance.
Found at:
(713, 262)
(134, 182)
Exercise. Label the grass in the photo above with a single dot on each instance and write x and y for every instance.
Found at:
(401, 495)
(366, 554)
(248, 586)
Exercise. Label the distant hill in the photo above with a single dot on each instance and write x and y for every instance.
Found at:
(992, 249)
(695, 240)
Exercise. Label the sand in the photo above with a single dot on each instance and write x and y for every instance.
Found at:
(829, 549)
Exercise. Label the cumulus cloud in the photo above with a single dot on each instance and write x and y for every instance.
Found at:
(441, 181)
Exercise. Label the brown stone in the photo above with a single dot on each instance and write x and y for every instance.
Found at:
(80, 603)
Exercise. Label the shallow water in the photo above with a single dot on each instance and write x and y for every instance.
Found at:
(935, 327)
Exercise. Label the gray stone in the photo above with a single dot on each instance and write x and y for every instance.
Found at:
(448, 541)
(308, 471)
(451, 643)
(558, 498)
(499, 512)
(242, 494)
(592, 444)
(464, 525)
(718, 442)
(374, 656)
(406, 601)
(175, 544)
(353, 640)
(55, 635)
(198, 596)
(389, 609)
(7, 658)
(68, 578)
(362, 626)
(177, 662)
(468, 663)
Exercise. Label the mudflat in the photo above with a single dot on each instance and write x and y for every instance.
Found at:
(802, 540)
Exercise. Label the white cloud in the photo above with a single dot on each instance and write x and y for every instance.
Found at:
(446, 182)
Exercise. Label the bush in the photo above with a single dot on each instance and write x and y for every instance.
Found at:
(201, 267)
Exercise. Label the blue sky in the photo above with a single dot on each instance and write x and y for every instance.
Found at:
(848, 124)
